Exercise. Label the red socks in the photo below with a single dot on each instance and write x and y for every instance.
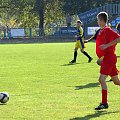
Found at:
(104, 96)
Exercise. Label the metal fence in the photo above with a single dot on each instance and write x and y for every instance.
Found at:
(36, 32)
(47, 32)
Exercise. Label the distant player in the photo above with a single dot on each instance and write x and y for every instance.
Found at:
(108, 65)
(108, 23)
(118, 27)
(80, 43)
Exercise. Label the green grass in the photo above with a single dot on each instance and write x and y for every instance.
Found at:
(43, 87)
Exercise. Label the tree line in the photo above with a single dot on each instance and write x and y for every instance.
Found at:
(40, 13)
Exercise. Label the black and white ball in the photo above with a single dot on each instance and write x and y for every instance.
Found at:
(4, 97)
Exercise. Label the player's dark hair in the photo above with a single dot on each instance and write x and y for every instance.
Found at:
(78, 21)
(103, 16)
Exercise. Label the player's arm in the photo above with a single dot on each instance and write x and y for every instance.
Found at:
(104, 46)
(93, 37)
(90, 39)
(80, 35)
(117, 26)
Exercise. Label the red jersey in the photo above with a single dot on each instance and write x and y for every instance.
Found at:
(105, 36)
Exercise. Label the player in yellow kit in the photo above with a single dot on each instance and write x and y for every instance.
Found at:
(80, 43)
(118, 27)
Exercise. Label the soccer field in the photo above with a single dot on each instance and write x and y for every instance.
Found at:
(42, 86)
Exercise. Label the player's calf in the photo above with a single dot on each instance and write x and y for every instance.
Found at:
(103, 104)
(87, 55)
(75, 56)
(116, 80)
(102, 81)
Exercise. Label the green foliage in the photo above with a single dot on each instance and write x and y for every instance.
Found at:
(53, 12)
(41, 13)
(19, 11)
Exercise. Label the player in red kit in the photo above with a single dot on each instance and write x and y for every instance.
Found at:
(108, 65)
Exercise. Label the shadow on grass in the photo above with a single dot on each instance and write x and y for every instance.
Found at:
(95, 115)
(90, 85)
(1, 104)
(69, 64)
(118, 56)
(77, 63)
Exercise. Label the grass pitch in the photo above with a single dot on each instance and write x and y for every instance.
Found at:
(42, 86)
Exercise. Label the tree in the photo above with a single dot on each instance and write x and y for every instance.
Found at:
(39, 8)
(31, 13)
(46, 10)
(41, 13)
(18, 13)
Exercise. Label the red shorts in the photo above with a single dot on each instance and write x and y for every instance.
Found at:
(109, 69)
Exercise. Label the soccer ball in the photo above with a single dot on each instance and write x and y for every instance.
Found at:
(4, 97)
